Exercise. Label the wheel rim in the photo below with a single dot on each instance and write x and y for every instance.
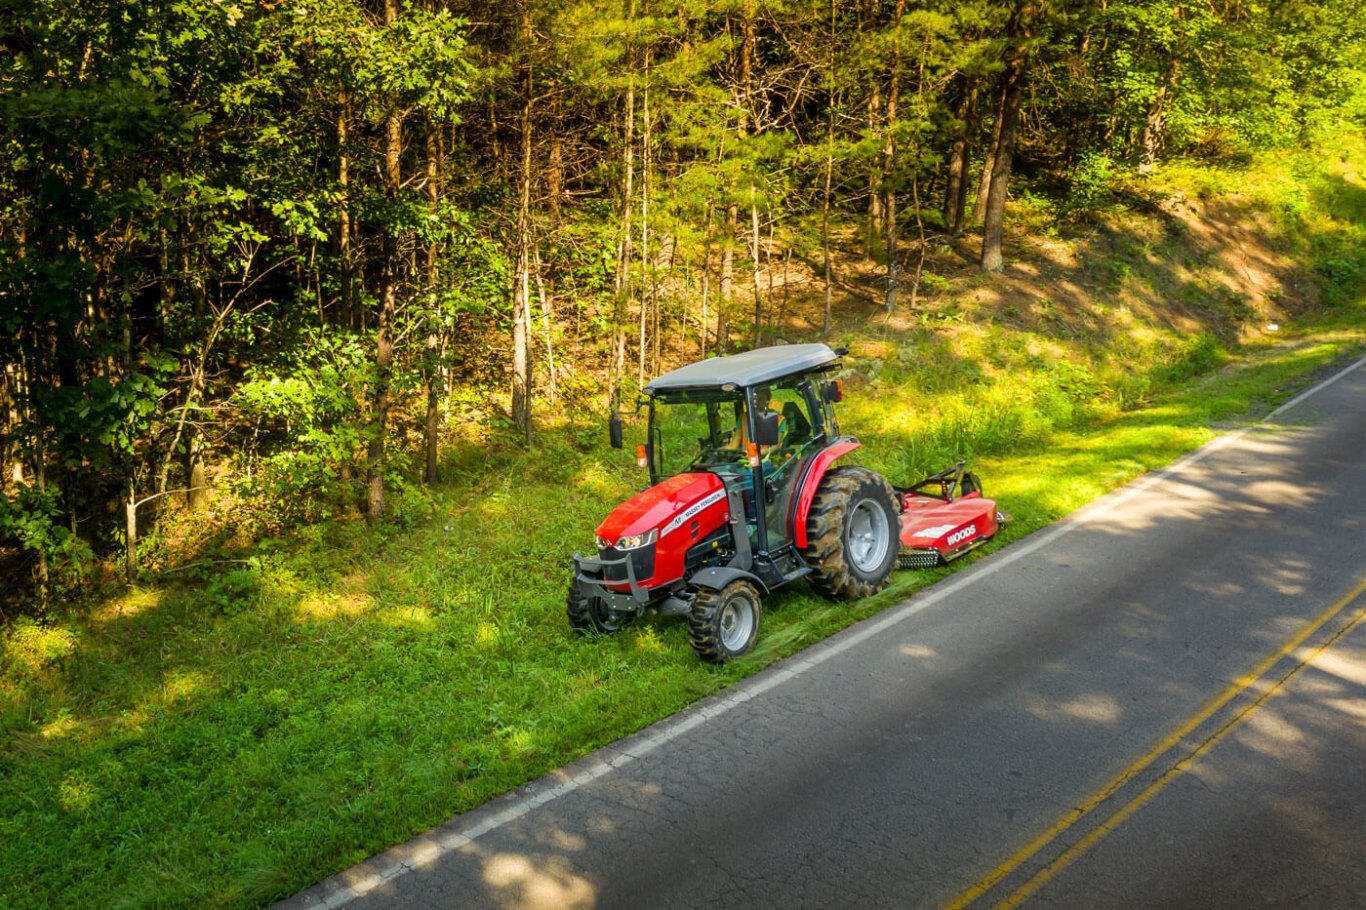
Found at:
(607, 619)
(736, 622)
(868, 536)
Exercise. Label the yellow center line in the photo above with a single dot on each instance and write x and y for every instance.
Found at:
(1239, 686)
(1043, 876)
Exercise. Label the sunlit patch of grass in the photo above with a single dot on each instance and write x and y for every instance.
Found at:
(331, 605)
(128, 604)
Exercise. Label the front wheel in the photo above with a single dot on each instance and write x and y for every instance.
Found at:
(723, 625)
(853, 534)
(592, 615)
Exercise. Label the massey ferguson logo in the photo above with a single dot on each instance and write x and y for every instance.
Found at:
(960, 536)
(693, 509)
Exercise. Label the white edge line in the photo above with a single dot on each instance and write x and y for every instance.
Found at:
(428, 848)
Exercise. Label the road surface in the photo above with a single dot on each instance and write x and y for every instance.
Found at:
(1160, 702)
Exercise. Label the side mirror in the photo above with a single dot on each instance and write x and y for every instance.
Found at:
(614, 430)
(767, 433)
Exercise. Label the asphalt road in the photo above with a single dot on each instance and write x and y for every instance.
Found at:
(1160, 702)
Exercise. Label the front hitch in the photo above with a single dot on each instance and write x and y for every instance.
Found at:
(591, 579)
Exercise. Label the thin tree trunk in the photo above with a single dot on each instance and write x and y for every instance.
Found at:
(345, 254)
(11, 460)
(920, 229)
(1154, 123)
(979, 211)
(130, 530)
(706, 283)
(554, 174)
(889, 213)
(547, 320)
(876, 176)
(195, 470)
(431, 368)
(388, 310)
(955, 189)
(727, 276)
(1009, 118)
(521, 317)
(621, 305)
(754, 254)
(829, 177)
(644, 217)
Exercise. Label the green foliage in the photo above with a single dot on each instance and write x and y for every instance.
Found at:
(302, 412)
(1196, 357)
(32, 519)
(1091, 186)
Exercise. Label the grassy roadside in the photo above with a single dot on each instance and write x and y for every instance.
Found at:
(225, 738)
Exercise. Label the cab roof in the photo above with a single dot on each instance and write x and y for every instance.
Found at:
(752, 368)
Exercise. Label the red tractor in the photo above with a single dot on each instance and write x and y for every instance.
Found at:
(746, 498)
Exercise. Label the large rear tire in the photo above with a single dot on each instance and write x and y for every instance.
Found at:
(723, 625)
(853, 534)
(592, 615)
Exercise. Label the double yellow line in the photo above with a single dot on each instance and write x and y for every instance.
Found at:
(1237, 688)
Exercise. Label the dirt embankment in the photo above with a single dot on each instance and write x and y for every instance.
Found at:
(1182, 265)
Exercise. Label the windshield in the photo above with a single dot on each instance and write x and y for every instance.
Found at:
(696, 429)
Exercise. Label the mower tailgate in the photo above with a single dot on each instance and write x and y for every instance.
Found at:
(934, 531)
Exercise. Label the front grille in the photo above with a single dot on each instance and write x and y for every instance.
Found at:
(642, 563)
(917, 559)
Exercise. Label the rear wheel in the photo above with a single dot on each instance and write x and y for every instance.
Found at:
(852, 533)
(723, 625)
(592, 615)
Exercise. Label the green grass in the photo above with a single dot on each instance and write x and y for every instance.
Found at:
(237, 732)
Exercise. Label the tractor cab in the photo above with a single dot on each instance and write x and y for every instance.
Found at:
(753, 438)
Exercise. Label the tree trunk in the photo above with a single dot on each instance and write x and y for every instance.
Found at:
(388, 310)
(554, 171)
(1009, 118)
(431, 433)
(727, 277)
(955, 190)
(547, 324)
(829, 177)
(1155, 122)
(979, 211)
(11, 460)
(754, 255)
(130, 531)
(644, 221)
(345, 254)
(521, 315)
(622, 301)
(195, 470)
(875, 177)
(889, 210)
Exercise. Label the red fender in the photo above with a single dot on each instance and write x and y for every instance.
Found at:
(811, 484)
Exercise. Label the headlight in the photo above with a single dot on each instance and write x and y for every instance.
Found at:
(602, 544)
(636, 541)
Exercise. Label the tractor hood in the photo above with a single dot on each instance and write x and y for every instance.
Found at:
(664, 507)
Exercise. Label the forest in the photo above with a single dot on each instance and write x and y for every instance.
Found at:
(290, 248)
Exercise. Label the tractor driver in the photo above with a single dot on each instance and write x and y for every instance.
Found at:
(762, 397)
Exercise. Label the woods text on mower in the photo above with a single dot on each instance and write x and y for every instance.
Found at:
(746, 497)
